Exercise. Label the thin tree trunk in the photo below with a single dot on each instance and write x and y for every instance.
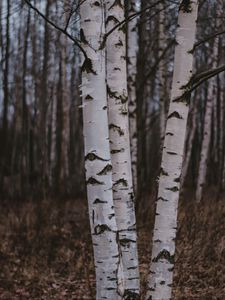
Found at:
(53, 138)
(162, 71)
(36, 91)
(64, 167)
(207, 130)
(24, 167)
(43, 105)
(76, 144)
(162, 263)
(6, 97)
(123, 195)
(189, 144)
(1, 38)
(132, 50)
(142, 96)
(223, 136)
(97, 153)
(222, 133)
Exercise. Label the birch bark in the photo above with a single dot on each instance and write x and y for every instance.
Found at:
(132, 49)
(97, 153)
(123, 195)
(162, 263)
(207, 129)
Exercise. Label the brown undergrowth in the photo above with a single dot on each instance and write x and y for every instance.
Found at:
(45, 250)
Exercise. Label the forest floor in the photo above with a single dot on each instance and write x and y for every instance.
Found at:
(46, 252)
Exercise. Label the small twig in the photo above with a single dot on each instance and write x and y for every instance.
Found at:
(207, 39)
(154, 67)
(64, 31)
(197, 80)
(126, 20)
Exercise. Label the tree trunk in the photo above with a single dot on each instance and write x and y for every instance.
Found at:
(222, 133)
(53, 138)
(43, 105)
(162, 263)
(97, 152)
(24, 167)
(5, 75)
(189, 144)
(207, 129)
(132, 49)
(64, 164)
(162, 73)
(123, 195)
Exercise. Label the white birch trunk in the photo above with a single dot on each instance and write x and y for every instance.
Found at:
(207, 130)
(132, 49)
(97, 153)
(123, 195)
(162, 263)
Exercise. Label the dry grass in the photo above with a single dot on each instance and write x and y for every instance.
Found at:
(45, 250)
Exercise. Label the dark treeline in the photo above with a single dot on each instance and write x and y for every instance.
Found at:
(41, 149)
(155, 67)
(41, 135)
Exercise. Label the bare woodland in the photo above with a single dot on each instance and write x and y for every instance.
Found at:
(112, 157)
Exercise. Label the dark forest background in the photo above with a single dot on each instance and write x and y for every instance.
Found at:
(45, 244)
(41, 151)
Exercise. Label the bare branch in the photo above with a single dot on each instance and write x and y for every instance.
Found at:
(64, 31)
(154, 67)
(198, 79)
(207, 39)
(131, 17)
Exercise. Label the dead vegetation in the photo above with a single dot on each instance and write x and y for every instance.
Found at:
(46, 253)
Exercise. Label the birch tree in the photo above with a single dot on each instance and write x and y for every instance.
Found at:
(163, 251)
(97, 152)
(123, 195)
